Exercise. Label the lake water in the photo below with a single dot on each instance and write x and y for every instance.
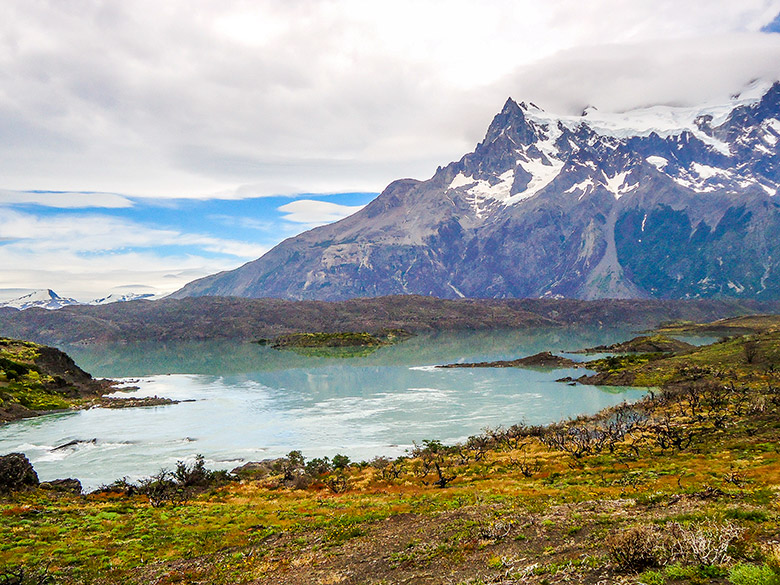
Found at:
(251, 402)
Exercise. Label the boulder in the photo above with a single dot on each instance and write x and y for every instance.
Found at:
(258, 469)
(62, 485)
(16, 473)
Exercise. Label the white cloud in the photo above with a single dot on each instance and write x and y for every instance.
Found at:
(313, 213)
(181, 99)
(65, 200)
(94, 233)
(73, 276)
(676, 72)
(87, 255)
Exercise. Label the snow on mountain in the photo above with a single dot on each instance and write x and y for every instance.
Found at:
(693, 146)
(44, 299)
(50, 300)
(663, 120)
(115, 298)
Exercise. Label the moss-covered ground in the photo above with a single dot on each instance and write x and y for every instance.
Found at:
(22, 382)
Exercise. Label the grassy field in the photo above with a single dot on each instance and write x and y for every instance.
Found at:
(681, 487)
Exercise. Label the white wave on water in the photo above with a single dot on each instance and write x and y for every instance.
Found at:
(433, 368)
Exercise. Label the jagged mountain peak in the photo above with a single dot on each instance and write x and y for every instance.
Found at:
(659, 201)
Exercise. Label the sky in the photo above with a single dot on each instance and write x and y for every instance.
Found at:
(144, 144)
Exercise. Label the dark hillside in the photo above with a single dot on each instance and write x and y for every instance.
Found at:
(202, 318)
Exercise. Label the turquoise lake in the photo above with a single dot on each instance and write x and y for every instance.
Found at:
(248, 402)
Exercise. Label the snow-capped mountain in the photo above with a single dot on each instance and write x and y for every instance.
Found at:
(48, 299)
(44, 299)
(115, 298)
(663, 201)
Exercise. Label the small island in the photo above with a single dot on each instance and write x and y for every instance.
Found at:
(337, 344)
(544, 359)
(644, 344)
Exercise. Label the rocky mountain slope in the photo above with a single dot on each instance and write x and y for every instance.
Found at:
(663, 202)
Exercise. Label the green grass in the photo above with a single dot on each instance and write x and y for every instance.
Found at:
(22, 382)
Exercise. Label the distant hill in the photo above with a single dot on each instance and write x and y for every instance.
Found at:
(660, 202)
(249, 319)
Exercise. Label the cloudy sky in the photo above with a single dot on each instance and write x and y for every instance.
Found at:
(144, 144)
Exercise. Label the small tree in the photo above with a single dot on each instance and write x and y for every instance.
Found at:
(750, 348)
(340, 461)
(318, 466)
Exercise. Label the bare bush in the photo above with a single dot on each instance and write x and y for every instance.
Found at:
(389, 469)
(704, 544)
(433, 456)
(495, 530)
(750, 347)
(24, 576)
(475, 448)
(578, 438)
(669, 433)
(528, 467)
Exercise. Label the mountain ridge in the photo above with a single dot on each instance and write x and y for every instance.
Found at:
(664, 204)
(234, 318)
(50, 300)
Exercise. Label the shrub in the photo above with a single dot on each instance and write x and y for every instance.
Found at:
(293, 465)
(340, 461)
(192, 475)
(652, 578)
(337, 482)
(635, 549)
(318, 466)
(174, 487)
(744, 574)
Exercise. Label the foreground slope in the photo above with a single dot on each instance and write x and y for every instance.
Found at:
(662, 202)
(680, 487)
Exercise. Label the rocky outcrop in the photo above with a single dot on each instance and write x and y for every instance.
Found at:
(16, 473)
(36, 379)
(68, 485)
(543, 359)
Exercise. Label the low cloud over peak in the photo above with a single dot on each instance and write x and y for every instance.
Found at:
(174, 99)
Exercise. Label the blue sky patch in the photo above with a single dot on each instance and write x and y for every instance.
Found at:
(100, 243)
